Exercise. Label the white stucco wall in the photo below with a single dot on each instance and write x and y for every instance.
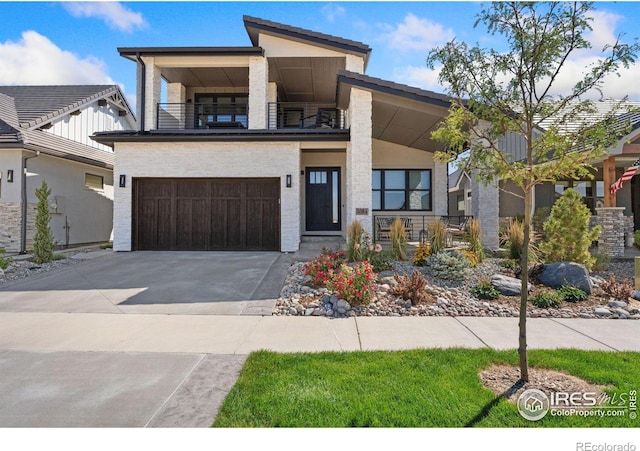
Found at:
(209, 160)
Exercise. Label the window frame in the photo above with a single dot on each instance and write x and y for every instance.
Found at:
(407, 189)
(215, 111)
(86, 186)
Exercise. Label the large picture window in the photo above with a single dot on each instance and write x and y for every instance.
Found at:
(402, 189)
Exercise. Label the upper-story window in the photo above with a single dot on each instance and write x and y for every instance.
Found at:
(221, 110)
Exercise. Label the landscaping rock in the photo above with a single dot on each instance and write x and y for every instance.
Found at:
(602, 311)
(618, 304)
(508, 286)
(388, 281)
(556, 275)
(342, 304)
(293, 311)
(622, 312)
(636, 295)
(309, 311)
(442, 301)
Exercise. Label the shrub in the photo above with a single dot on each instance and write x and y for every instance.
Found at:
(411, 288)
(545, 299)
(601, 262)
(539, 217)
(513, 265)
(568, 237)
(353, 284)
(437, 232)
(398, 239)
(473, 258)
(448, 265)
(420, 255)
(485, 291)
(515, 238)
(571, 294)
(43, 240)
(321, 268)
(475, 245)
(636, 238)
(354, 241)
(4, 261)
(380, 259)
(620, 291)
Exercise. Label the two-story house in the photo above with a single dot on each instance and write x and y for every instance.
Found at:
(45, 135)
(251, 148)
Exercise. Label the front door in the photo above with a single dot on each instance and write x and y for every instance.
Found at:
(635, 201)
(323, 199)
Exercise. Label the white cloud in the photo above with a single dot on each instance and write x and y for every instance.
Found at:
(331, 11)
(604, 32)
(34, 60)
(415, 33)
(113, 13)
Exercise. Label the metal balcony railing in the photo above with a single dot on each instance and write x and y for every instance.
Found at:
(304, 115)
(185, 116)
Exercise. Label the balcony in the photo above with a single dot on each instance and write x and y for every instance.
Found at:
(201, 116)
(291, 115)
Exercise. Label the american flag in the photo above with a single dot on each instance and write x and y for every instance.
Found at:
(628, 174)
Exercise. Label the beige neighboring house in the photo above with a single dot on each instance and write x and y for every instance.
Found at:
(253, 148)
(45, 134)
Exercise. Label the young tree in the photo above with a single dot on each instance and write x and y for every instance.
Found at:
(43, 240)
(513, 94)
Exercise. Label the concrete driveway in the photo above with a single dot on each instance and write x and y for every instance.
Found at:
(215, 283)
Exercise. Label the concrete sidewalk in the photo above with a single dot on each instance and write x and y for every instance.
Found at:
(208, 334)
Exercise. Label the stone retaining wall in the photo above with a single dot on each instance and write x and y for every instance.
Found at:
(10, 225)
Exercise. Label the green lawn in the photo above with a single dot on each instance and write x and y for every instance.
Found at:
(421, 388)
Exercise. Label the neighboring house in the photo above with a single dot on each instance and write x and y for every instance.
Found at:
(46, 129)
(596, 192)
(258, 146)
(459, 193)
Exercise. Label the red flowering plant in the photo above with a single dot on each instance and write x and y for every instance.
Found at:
(321, 268)
(355, 284)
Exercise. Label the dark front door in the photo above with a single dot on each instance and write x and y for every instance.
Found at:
(323, 199)
(635, 201)
(206, 214)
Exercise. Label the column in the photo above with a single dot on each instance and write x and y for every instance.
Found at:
(359, 160)
(151, 94)
(177, 98)
(612, 221)
(609, 177)
(484, 207)
(258, 88)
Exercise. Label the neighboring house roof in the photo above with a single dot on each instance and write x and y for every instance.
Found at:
(455, 178)
(630, 112)
(254, 25)
(23, 109)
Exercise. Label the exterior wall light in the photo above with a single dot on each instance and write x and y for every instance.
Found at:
(288, 180)
(10, 175)
(123, 180)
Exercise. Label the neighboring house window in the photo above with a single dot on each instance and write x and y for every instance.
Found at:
(460, 199)
(95, 182)
(402, 189)
(592, 191)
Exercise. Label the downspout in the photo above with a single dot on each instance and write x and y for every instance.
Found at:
(143, 89)
(23, 227)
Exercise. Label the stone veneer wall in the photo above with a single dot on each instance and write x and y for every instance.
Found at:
(612, 221)
(10, 225)
(484, 207)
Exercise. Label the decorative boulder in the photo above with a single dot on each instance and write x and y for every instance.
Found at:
(556, 275)
(508, 286)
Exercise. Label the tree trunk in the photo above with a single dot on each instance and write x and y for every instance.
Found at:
(524, 296)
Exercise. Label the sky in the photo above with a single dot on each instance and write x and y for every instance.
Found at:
(76, 42)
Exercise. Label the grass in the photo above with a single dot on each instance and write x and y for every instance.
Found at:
(420, 388)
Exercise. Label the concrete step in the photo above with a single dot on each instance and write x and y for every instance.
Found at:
(322, 239)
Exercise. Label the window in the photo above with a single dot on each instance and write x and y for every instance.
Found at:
(95, 182)
(592, 191)
(401, 189)
(221, 110)
(460, 202)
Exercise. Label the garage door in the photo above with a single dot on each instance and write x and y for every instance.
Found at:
(206, 214)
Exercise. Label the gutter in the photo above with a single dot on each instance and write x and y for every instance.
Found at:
(23, 225)
(143, 90)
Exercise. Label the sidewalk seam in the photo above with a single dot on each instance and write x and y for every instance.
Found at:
(472, 332)
(582, 333)
(246, 338)
(155, 414)
(355, 320)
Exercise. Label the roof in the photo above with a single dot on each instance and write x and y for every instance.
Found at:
(254, 25)
(132, 52)
(455, 177)
(24, 108)
(629, 111)
(390, 87)
(37, 104)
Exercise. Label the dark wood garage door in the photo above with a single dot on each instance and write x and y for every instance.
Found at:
(206, 214)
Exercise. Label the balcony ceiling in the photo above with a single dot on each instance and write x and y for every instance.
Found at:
(305, 79)
(200, 77)
(405, 122)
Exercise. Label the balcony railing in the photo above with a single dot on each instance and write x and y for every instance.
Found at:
(200, 116)
(305, 116)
